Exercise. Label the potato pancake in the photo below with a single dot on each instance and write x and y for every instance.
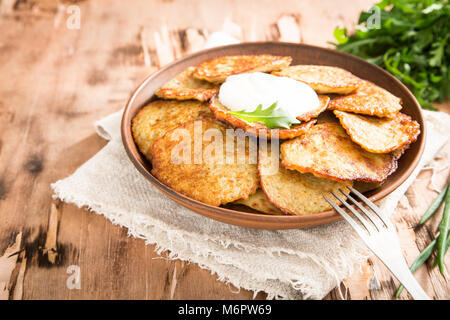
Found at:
(204, 172)
(323, 79)
(379, 135)
(327, 151)
(256, 128)
(218, 69)
(368, 99)
(293, 192)
(185, 87)
(324, 100)
(259, 202)
(160, 116)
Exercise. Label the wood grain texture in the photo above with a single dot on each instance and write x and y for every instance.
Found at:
(60, 80)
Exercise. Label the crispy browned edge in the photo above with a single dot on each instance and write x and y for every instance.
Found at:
(354, 82)
(282, 209)
(392, 167)
(285, 211)
(261, 130)
(185, 93)
(219, 79)
(388, 171)
(398, 153)
(133, 128)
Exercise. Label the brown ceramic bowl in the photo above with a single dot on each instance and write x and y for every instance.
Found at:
(301, 54)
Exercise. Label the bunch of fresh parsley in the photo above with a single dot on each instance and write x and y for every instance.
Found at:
(410, 39)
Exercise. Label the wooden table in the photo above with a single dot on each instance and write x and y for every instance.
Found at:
(56, 80)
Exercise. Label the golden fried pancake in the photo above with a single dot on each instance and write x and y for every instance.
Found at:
(323, 79)
(218, 69)
(379, 135)
(294, 192)
(160, 116)
(193, 159)
(256, 128)
(259, 202)
(315, 113)
(368, 99)
(327, 151)
(184, 87)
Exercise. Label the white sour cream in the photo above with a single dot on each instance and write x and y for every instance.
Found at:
(248, 90)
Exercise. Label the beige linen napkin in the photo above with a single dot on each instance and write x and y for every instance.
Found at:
(292, 264)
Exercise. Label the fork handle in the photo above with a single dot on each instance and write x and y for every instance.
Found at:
(406, 278)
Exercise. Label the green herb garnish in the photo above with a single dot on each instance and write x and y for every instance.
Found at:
(272, 116)
(411, 41)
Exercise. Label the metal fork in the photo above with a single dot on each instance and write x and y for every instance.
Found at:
(378, 234)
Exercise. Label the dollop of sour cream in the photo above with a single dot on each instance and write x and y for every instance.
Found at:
(244, 92)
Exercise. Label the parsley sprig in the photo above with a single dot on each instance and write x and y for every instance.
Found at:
(412, 41)
(272, 116)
